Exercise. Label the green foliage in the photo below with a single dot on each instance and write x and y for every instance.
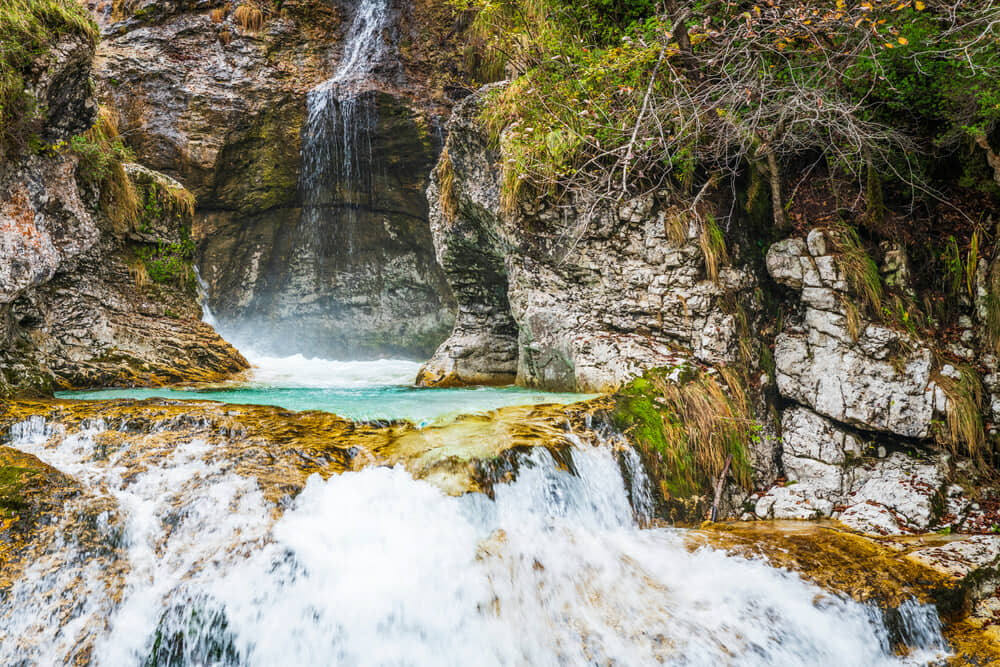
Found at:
(28, 28)
(170, 263)
(101, 156)
(618, 100)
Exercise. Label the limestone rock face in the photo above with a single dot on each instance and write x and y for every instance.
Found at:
(882, 381)
(344, 273)
(43, 223)
(834, 473)
(71, 313)
(580, 298)
(857, 438)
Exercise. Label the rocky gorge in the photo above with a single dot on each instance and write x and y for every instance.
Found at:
(327, 179)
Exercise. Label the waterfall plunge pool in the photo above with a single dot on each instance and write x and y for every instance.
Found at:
(359, 390)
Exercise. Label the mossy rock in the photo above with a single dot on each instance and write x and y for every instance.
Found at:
(31, 494)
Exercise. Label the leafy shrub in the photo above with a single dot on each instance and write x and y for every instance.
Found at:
(700, 92)
(170, 263)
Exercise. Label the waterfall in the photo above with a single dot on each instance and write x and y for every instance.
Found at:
(337, 154)
(375, 568)
(351, 273)
(207, 316)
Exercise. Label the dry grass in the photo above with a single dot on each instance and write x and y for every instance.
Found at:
(853, 318)
(119, 197)
(137, 269)
(183, 202)
(687, 427)
(675, 225)
(963, 432)
(709, 419)
(713, 247)
(859, 269)
(249, 17)
(218, 14)
(446, 185)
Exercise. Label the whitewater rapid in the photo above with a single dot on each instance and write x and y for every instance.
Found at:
(376, 568)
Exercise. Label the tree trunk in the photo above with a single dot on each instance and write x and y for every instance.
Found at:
(777, 202)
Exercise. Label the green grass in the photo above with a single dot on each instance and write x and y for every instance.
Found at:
(28, 28)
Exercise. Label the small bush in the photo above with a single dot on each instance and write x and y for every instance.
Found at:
(170, 263)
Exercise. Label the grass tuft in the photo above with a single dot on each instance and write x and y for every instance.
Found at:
(102, 155)
(687, 422)
(446, 185)
(963, 432)
(859, 268)
(713, 248)
(249, 17)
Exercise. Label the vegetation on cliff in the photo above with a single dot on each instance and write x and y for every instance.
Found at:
(878, 121)
(619, 99)
(28, 28)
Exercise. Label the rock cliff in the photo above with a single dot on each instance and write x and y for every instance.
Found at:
(870, 405)
(71, 311)
(862, 416)
(222, 107)
(581, 296)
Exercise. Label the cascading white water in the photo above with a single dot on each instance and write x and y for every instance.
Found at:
(207, 316)
(375, 568)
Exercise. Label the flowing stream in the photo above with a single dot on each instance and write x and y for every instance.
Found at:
(376, 568)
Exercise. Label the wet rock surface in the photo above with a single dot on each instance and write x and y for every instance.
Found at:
(281, 449)
(224, 110)
(956, 575)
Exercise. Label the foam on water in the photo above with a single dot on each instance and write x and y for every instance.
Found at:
(376, 568)
(299, 371)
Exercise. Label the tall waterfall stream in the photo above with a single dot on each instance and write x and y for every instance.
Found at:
(337, 140)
